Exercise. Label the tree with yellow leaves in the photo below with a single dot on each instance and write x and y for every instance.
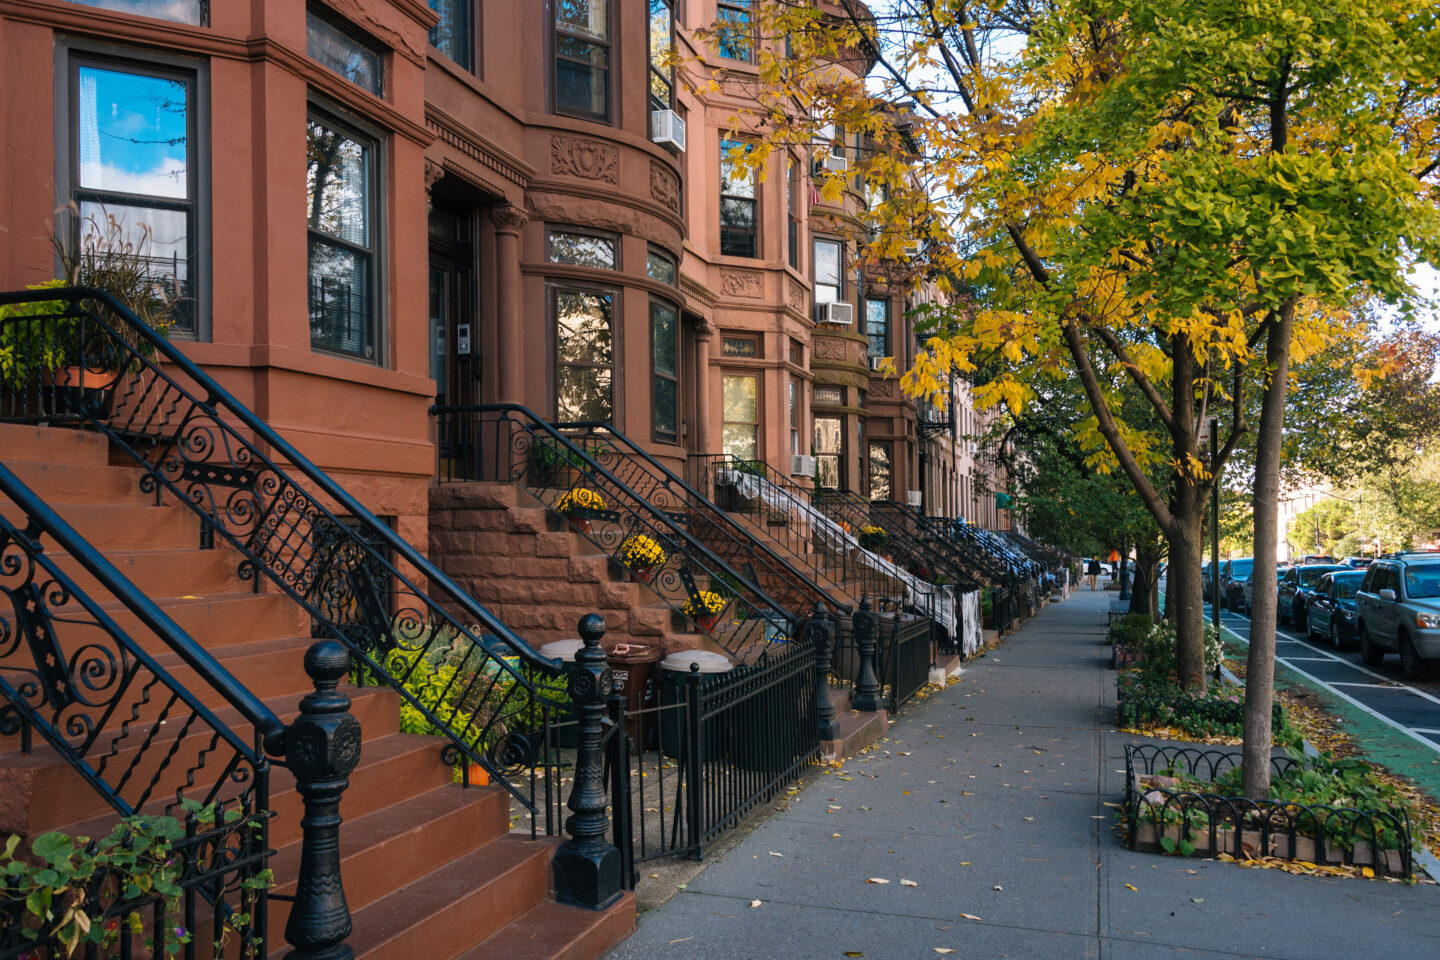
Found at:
(1188, 191)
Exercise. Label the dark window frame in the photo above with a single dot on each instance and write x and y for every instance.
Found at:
(611, 238)
(470, 37)
(824, 456)
(728, 246)
(757, 425)
(607, 116)
(888, 450)
(344, 29)
(815, 241)
(73, 53)
(653, 70)
(553, 288)
(656, 375)
(793, 207)
(343, 123)
(655, 253)
(744, 14)
(884, 335)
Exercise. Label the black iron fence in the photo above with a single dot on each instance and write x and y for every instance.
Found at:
(708, 750)
(1165, 814)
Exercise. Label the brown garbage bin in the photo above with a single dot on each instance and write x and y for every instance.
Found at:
(633, 667)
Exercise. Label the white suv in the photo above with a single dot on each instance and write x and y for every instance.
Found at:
(1398, 606)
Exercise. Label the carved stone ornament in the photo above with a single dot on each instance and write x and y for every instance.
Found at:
(882, 389)
(796, 294)
(734, 283)
(433, 172)
(508, 219)
(829, 349)
(664, 186)
(705, 331)
(587, 159)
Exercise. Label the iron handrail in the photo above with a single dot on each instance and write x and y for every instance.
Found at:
(95, 680)
(286, 532)
(720, 522)
(940, 550)
(640, 512)
(933, 532)
(857, 511)
(872, 582)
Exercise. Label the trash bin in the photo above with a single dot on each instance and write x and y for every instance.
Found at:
(674, 670)
(566, 725)
(632, 665)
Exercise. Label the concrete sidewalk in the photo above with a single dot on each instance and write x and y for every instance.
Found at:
(992, 798)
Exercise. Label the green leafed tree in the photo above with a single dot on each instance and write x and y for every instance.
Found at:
(1191, 192)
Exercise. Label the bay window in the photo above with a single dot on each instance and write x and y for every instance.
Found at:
(829, 448)
(829, 258)
(662, 75)
(734, 32)
(454, 34)
(877, 327)
(582, 58)
(585, 354)
(881, 471)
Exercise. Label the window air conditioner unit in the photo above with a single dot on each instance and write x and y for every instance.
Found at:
(802, 465)
(912, 249)
(875, 362)
(836, 312)
(669, 129)
(836, 164)
(914, 498)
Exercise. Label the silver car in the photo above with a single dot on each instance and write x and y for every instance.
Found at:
(1398, 606)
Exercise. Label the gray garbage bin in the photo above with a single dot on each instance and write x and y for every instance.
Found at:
(566, 727)
(674, 670)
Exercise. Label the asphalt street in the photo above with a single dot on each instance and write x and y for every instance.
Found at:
(1413, 709)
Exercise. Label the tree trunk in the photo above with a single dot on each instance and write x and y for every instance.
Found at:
(1186, 595)
(1143, 591)
(1260, 661)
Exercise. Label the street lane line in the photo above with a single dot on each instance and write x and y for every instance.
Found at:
(1331, 686)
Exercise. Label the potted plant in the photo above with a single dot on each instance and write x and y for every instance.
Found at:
(114, 257)
(706, 610)
(554, 464)
(578, 505)
(874, 538)
(641, 555)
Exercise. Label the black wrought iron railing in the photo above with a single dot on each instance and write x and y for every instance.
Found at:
(138, 734)
(938, 532)
(400, 616)
(507, 443)
(736, 544)
(779, 510)
(943, 559)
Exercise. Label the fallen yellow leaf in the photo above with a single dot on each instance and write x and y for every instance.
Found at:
(970, 916)
(1131, 886)
(943, 949)
(877, 880)
(908, 883)
(754, 904)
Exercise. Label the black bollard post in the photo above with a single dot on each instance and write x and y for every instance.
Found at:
(866, 695)
(587, 866)
(819, 627)
(322, 747)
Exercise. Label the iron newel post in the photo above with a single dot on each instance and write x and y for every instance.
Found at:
(322, 747)
(866, 695)
(819, 627)
(587, 865)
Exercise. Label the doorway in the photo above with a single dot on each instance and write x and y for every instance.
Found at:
(455, 360)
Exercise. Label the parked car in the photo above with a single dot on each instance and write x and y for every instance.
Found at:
(1205, 590)
(1330, 610)
(1232, 581)
(1357, 563)
(1248, 588)
(1398, 609)
(1295, 586)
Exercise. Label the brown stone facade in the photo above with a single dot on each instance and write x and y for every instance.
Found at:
(496, 198)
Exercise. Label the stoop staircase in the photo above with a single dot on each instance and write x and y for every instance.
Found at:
(431, 868)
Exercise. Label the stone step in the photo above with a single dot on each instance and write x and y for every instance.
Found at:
(167, 573)
(52, 445)
(552, 931)
(70, 482)
(123, 526)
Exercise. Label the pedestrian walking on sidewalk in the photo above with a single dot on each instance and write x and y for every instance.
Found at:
(1093, 571)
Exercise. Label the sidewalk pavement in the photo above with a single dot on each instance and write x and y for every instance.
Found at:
(992, 798)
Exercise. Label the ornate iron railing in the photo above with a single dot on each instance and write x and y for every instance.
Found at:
(1164, 814)
(945, 559)
(136, 733)
(721, 478)
(935, 531)
(109, 371)
(506, 443)
(726, 538)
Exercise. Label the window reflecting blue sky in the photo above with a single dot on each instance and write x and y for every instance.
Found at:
(132, 134)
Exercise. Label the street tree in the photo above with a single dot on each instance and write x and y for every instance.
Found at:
(1189, 191)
